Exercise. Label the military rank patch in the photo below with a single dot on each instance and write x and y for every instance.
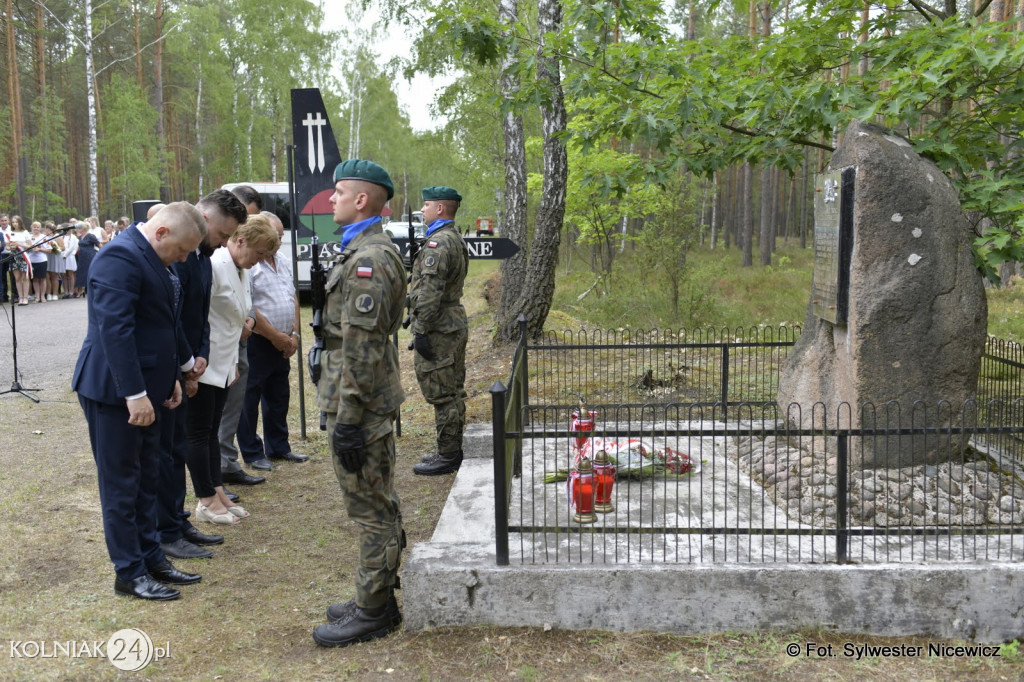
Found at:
(364, 302)
(429, 262)
(364, 271)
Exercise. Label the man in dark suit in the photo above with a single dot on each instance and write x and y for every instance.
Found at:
(178, 537)
(129, 362)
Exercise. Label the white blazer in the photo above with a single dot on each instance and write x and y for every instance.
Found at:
(230, 302)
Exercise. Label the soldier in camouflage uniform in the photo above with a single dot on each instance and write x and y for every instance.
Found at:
(360, 391)
(439, 327)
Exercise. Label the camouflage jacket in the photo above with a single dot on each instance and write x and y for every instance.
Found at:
(365, 294)
(438, 276)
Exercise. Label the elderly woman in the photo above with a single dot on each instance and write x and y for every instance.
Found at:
(230, 302)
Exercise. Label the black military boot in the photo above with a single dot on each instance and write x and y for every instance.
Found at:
(439, 465)
(339, 613)
(364, 625)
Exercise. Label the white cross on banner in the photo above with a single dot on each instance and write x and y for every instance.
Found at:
(318, 147)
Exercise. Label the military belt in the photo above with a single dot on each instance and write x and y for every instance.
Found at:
(332, 343)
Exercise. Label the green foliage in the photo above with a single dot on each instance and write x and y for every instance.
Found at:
(714, 291)
(670, 230)
(954, 87)
(46, 154)
(133, 162)
(1006, 311)
(1011, 651)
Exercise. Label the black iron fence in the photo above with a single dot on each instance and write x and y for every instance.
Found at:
(708, 470)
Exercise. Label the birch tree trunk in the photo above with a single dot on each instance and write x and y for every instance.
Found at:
(535, 300)
(199, 127)
(91, 104)
(513, 270)
(248, 138)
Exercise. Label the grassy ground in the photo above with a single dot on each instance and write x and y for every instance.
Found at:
(268, 585)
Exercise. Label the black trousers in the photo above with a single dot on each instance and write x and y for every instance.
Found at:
(172, 519)
(268, 391)
(205, 409)
(127, 467)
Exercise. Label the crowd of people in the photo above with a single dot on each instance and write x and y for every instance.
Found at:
(45, 261)
(192, 321)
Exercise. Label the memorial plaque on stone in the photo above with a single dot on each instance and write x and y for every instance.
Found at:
(833, 239)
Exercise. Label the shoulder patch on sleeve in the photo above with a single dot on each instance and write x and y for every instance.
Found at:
(432, 244)
(364, 271)
(364, 303)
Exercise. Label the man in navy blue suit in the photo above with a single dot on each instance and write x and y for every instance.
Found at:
(223, 213)
(129, 362)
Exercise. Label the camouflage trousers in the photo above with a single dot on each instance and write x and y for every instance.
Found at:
(443, 384)
(373, 505)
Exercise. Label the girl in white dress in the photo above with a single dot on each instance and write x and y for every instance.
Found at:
(70, 264)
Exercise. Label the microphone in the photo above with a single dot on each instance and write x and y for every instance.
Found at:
(65, 229)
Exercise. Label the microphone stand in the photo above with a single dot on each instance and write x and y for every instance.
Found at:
(16, 386)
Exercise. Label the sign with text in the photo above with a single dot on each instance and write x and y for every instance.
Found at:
(479, 249)
(833, 242)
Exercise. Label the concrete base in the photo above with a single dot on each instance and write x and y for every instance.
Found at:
(453, 581)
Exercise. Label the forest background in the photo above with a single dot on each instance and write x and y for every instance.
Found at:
(620, 141)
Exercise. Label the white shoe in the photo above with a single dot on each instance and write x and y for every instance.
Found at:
(238, 511)
(204, 514)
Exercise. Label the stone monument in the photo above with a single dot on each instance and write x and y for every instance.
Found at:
(913, 311)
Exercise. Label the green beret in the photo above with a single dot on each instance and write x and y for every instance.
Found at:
(368, 171)
(440, 194)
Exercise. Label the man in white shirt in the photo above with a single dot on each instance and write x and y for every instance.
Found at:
(270, 348)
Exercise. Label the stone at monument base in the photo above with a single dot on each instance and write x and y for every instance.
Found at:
(453, 581)
(917, 314)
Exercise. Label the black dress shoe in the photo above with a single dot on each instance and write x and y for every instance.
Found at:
(234, 497)
(262, 464)
(291, 457)
(440, 465)
(363, 626)
(193, 535)
(241, 478)
(165, 572)
(184, 549)
(145, 587)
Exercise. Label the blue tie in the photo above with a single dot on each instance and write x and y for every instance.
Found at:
(177, 289)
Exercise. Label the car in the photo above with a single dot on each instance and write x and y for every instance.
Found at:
(398, 229)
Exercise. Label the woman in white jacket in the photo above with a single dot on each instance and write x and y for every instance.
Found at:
(230, 302)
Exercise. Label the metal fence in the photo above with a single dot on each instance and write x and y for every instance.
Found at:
(708, 470)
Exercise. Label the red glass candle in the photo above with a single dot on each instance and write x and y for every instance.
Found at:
(582, 492)
(604, 476)
(583, 422)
